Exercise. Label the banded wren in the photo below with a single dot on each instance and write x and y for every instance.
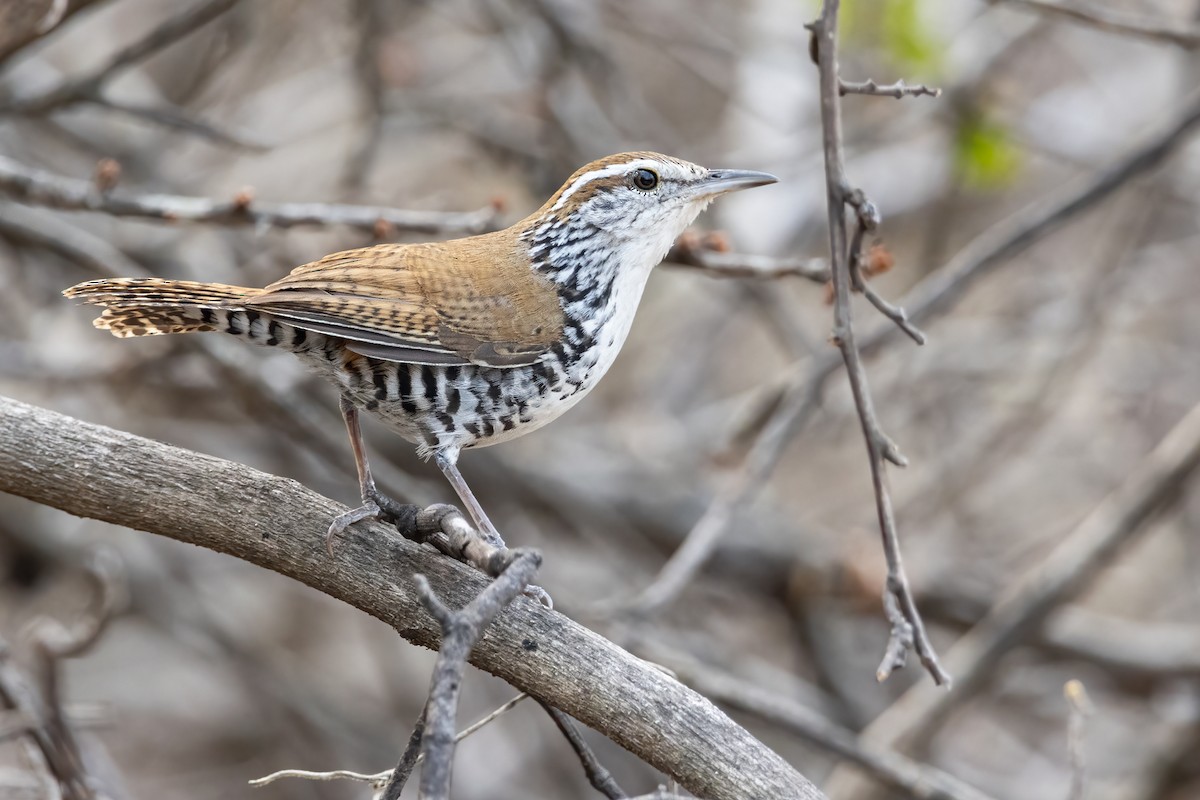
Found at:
(463, 343)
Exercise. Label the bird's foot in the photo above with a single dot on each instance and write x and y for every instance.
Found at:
(376, 505)
(539, 594)
(368, 510)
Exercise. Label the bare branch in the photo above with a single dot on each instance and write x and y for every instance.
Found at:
(42, 708)
(61, 756)
(37, 187)
(890, 768)
(859, 283)
(277, 524)
(22, 24)
(907, 628)
(1112, 20)
(1131, 649)
(461, 630)
(797, 404)
(1018, 616)
(171, 117)
(376, 779)
(400, 774)
(898, 90)
(600, 778)
(700, 253)
(800, 392)
(88, 87)
(370, 18)
(1080, 706)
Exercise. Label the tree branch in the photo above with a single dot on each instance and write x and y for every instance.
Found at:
(1019, 615)
(898, 90)
(22, 24)
(907, 628)
(600, 778)
(890, 768)
(92, 471)
(38, 187)
(461, 630)
(799, 392)
(700, 253)
(88, 88)
(1114, 21)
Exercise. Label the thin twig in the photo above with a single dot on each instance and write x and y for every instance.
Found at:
(859, 283)
(907, 628)
(1020, 614)
(169, 116)
(376, 779)
(408, 760)
(889, 767)
(87, 88)
(38, 187)
(1112, 20)
(369, 17)
(699, 253)
(600, 778)
(897, 90)
(42, 707)
(1080, 706)
(795, 408)
(61, 761)
(53, 641)
(26, 24)
(460, 631)
(384, 780)
(799, 392)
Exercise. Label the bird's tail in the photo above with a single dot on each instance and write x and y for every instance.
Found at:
(151, 306)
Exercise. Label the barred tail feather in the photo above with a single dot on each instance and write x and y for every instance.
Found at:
(152, 306)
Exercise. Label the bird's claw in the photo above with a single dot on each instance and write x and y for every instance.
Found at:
(539, 594)
(368, 510)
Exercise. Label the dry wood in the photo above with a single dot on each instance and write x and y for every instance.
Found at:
(97, 472)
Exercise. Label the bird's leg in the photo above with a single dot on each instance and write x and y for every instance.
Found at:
(447, 463)
(376, 505)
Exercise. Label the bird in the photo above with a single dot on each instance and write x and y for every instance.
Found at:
(461, 343)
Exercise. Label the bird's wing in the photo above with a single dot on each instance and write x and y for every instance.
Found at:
(467, 301)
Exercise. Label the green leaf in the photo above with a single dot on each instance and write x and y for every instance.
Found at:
(985, 157)
(894, 28)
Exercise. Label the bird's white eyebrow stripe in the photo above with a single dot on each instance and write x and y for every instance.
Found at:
(606, 172)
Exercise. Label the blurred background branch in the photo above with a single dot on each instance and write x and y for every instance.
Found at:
(1040, 225)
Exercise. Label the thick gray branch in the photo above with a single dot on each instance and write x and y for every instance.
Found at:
(97, 472)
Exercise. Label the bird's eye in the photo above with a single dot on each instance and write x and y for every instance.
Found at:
(645, 179)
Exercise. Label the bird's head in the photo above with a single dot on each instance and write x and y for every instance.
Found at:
(640, 201)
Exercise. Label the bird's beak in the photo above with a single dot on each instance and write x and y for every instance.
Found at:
(720, 181)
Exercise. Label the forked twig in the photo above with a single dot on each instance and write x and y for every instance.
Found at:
(907, 628)
(41, 707)
(460, 631)
(90, 88)
(1021, 612)
(402, 771)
